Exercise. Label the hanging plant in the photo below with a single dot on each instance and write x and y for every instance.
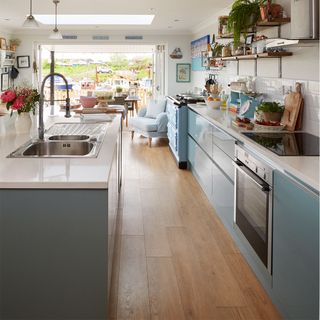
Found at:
(244, 15)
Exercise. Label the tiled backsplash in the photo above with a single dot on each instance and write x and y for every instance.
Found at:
(275, 89)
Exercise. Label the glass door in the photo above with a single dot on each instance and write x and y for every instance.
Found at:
(252, 210)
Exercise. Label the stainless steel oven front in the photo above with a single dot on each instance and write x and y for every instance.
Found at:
(253, 203)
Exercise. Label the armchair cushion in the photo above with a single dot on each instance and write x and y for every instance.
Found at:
(144, 124)
(155, 107)
(142, 112)
(162, 121)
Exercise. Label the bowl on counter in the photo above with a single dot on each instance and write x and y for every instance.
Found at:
(214, 104)
(88, 102)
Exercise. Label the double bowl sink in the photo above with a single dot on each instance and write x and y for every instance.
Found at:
(64, 141)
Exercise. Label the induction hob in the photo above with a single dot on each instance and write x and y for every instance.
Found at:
(287, 143)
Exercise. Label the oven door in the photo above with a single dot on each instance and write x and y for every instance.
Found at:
(253, 211)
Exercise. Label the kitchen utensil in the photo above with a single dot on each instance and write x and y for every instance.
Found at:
(292, 104)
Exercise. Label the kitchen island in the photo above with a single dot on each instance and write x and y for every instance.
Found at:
(57, 227)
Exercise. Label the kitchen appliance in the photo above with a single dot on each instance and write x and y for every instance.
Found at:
(253, 203)
(183, 99)
(304, 19)
(287, 143)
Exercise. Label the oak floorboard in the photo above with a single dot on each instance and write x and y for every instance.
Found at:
(133, 296)
(164, 295)
(175, 258)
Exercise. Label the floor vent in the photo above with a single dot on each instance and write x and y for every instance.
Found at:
(100, 37)
(69, 37)
(134, 37)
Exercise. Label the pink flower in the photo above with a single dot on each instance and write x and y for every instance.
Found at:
(18, 104)
(8, 96)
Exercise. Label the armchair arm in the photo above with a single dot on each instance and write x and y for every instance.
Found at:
(142, 112)
(162, 121)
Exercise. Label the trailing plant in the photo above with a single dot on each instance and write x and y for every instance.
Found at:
(244, 14)
(270, 107)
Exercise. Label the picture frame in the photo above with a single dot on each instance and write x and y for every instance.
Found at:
(204, 59)
(183, 72)
(23, 62)
(3, 44)
(249, 39)
(4, 81)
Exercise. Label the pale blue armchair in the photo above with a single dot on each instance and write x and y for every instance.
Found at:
(151, 122)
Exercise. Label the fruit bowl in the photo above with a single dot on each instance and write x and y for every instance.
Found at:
(88, 102)
(215, 104)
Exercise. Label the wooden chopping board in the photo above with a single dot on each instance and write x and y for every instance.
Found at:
(292, 106)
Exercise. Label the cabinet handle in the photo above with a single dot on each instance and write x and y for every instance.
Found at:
(262, 185)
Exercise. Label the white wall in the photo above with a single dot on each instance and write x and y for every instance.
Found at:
(171, 41)
(303, 67)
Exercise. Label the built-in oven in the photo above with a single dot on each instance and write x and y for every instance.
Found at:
(253, 203)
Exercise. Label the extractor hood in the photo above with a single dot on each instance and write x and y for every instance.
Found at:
(305, 19)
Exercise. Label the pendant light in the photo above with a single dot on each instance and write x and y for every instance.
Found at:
(55, 34)
(30, 21)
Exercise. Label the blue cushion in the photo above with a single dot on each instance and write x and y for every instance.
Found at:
(144, 124)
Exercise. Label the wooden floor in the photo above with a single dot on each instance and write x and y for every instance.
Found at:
(174, 259)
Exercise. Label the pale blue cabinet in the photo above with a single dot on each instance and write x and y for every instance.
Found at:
(295, 248)
(201, 166)
(210, 152)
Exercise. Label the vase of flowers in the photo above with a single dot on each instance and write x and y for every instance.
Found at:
(23, 100)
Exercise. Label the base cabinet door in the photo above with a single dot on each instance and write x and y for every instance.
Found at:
(201, 166)
(295, 249)
(222, 197)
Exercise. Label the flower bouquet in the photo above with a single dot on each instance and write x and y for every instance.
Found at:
(21, 99)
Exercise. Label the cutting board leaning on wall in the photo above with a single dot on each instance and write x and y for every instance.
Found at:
(293, 109)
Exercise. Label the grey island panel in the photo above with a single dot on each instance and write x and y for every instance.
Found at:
(53, 254)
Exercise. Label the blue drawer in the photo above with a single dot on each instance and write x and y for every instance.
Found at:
(224, 141)
(201, 131)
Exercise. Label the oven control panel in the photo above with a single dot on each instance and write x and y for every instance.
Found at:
(252, 162)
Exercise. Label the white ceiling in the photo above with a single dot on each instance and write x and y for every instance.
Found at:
(190, 13)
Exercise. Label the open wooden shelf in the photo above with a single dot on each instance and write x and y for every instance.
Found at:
(273, 22)
(256, 56)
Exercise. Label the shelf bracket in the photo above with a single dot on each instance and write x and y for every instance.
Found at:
(280, 67)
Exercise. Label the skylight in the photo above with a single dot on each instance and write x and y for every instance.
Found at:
(97, 19)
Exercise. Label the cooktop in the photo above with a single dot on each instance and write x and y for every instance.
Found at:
(287, 143)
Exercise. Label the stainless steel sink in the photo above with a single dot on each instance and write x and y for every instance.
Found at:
(65, 140)
(54, 148)
(69, 137)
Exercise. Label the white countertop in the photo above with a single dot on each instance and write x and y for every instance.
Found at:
(57, 173)
(303, 168)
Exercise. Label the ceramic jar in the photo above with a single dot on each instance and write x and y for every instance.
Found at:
(23, 122)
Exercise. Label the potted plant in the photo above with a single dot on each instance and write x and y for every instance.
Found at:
(244, 15)
(269, 111)
(14, 43)
(270, 10)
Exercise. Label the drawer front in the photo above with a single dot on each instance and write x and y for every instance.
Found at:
(223, 161)
(224, 141)
(222, 197)
(172, 136)
(201, 166)
(172, 111)
(201, 130)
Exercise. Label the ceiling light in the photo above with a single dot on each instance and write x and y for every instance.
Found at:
(30, 21)
(56, 35)
(98, 19)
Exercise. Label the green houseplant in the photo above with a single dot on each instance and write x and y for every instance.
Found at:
(270, 111)
(244, 14)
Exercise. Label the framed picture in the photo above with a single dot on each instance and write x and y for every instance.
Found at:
(204, 59)
(183, 72)
(249, 39)
(23, 61)
(3, 44)
(197, 46)
(4, 81)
